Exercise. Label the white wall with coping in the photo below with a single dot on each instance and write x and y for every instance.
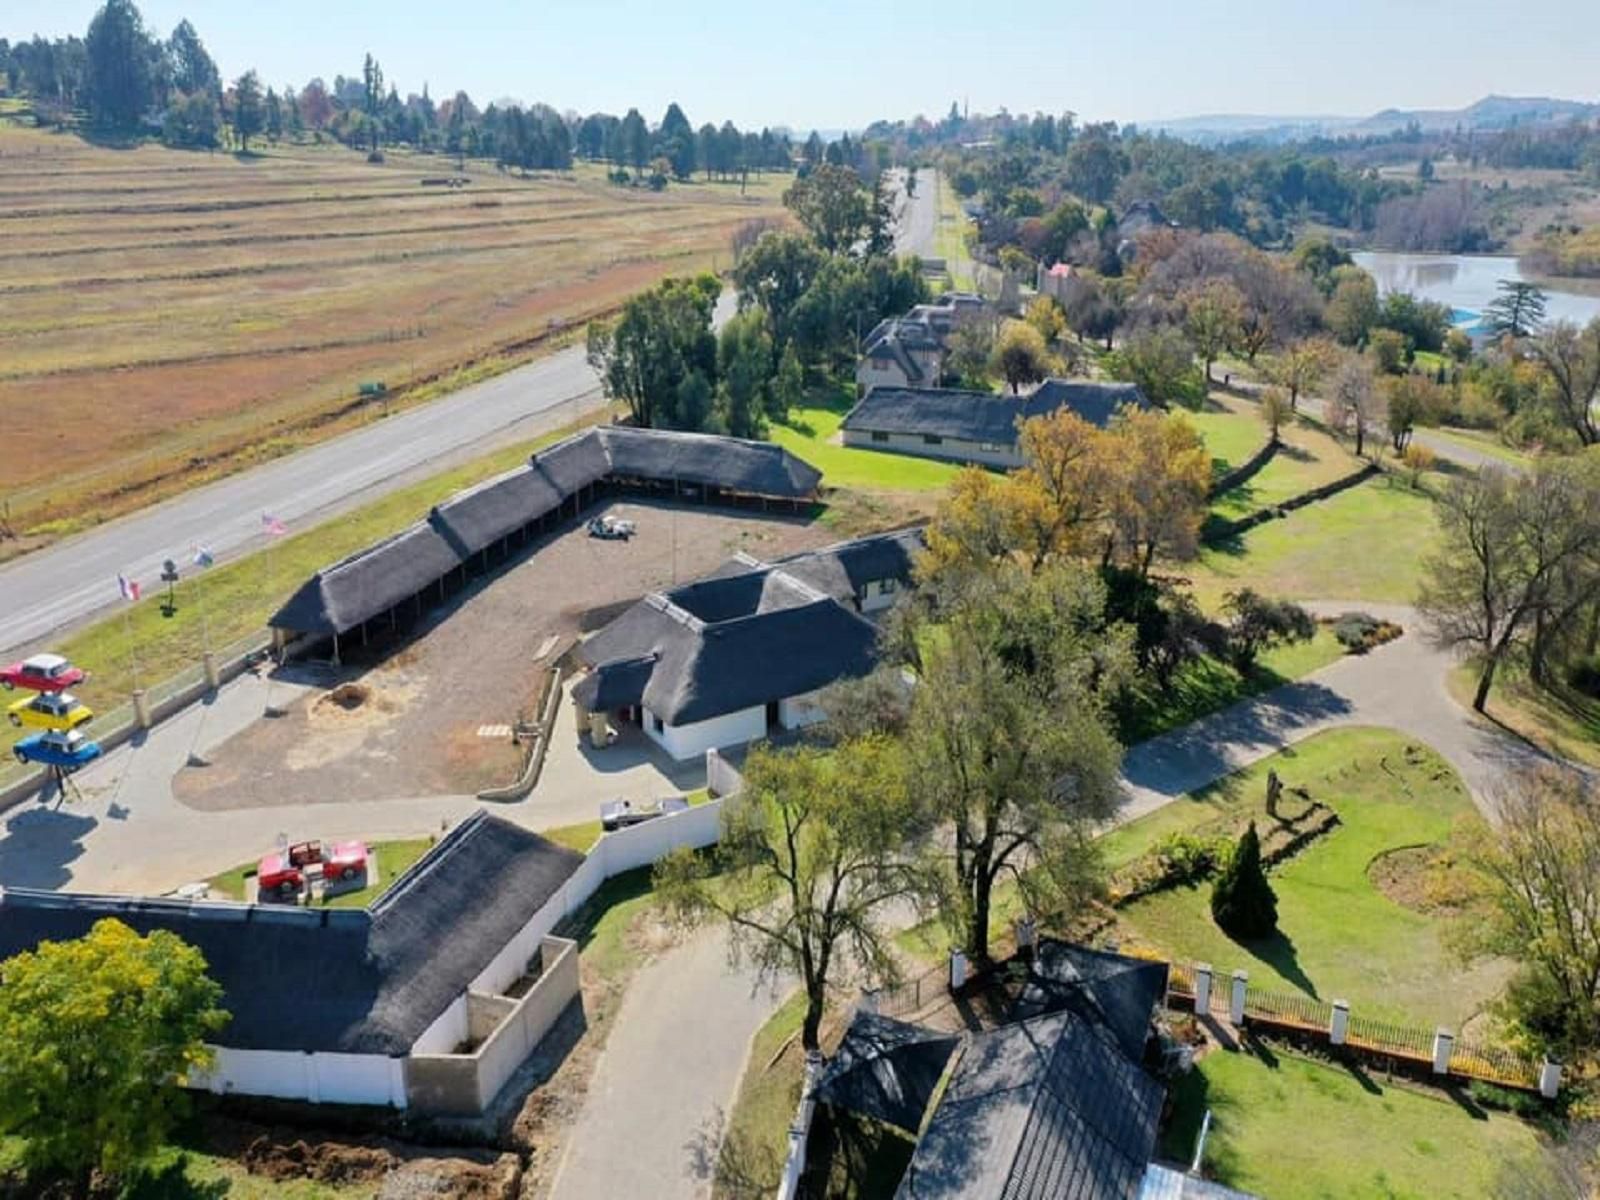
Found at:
(948, 450)
(684, 742)
(322, 1078)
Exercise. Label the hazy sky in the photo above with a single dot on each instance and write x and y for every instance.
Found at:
(835, 64)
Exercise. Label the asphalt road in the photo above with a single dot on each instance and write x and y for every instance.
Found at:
(67, 583)
(917, 215)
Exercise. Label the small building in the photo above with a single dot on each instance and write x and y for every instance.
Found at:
(900, 352)
(971, 426)
(429, 999)
(742, 654)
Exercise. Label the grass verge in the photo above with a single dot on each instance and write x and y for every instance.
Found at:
(756, 1142)
(1561, 722)
(812, 434)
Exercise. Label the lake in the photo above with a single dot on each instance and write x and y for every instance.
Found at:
(1466, 282)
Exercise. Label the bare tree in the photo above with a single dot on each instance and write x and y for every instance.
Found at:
(1571, 360)
(1354, 398)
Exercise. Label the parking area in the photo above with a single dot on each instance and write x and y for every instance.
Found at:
(432, 715)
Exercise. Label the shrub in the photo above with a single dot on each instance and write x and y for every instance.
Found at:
(1359, 632)
(1186, 859)
(1258, 623)
(1243, 902)
(1584, 675)
(1489, 1095)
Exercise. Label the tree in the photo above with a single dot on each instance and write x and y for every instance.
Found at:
(249, 112)
(1412, 400)
(1212, 315)
(1353, 307)
(193, 70)
(1160, 360)
(1571, 360)
(1044, 314)
(969, 348)
(834, 206)
(810, 853)
(744, 365)
(1388, 350)
(1538, 886)
(94, 1034)
(274, 115)
(1010, 742)
(659, 355)
(118, 66)
(1020, 355)
(1257, 623)
(1162, 485)
(1418, 460)
(1517, 556)
(1243, 903)
(774, 274)
(1058, 503)
(372, 99)
(1353, 398)
(316, 106)
(1276, 411)
(1517, 311)
(192, 122)
(788, 386)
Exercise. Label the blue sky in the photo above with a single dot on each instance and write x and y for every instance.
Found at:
(835, 64)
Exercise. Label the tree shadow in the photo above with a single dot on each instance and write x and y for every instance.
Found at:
(1360, 1074)
(38, 846)
(1465, 1102)
(1278, 952)
(171, 1181)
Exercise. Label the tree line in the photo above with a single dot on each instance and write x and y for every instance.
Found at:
(123, 79)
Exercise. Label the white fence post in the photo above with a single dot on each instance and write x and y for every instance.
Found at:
(1443, 1043)
(1339, 1023)
(1241, 978)
(1549, 1079)
(1202, 989)
(958, 970)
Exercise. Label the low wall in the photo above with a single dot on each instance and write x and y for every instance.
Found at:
(1245, 470)
(1223, 530)
(466, 1084)
(370, 1079)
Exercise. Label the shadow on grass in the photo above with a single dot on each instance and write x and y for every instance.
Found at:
(1465, 1102)
(850, 1155)
(1360, 1074)
(1191, 1097)
(170, 1181)
(1278, 952)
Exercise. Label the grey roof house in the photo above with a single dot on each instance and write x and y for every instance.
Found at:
(900, 352)
(729, 658)
(970, 426)
(346, 1004)
(1055, 1105)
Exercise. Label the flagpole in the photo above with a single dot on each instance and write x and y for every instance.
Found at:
(133, 653)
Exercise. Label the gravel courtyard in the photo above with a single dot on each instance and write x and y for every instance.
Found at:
(425, 724)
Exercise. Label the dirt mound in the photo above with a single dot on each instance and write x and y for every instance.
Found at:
(457, 1178)
(350, 695)
(325, 1162)
(404, 1171)
(1418, 878)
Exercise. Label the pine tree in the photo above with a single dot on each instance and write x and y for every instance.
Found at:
(1243, 902)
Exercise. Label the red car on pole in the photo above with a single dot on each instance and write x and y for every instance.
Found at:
(42, 673)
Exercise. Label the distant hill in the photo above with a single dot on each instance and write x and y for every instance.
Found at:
(1492, 112)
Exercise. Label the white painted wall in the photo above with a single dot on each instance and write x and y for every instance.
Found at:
(692, 740)
(799, 711)
(448, 1030)
(879, 595)
(951, 449)
(373, 1079)
(880, 372)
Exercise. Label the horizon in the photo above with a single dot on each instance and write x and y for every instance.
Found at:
(1213, 59)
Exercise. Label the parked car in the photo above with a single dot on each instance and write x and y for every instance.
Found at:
(69, 750)
(41, 673)
(50, 710)
(286, 873)
(612, 528)
(346, 862)
(619, 814)
(277, 875)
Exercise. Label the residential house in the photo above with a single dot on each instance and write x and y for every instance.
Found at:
(410, 1003)
(742, 653)
(1056, 1104)
(900, 352)
(971, 426)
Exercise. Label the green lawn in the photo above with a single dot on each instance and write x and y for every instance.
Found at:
(1209, 685)
(1367, 543)
(1563, 722)
(393, 860)
(757, 1140)
(811, 435)
(1294, 1129)
(1339, 936)
(1232, 434)
(1308, 458)
(1484, 443)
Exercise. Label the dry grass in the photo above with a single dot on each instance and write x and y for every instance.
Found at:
(168, 316)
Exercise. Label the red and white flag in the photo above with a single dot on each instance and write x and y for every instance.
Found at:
(128, 588)
(273, 527)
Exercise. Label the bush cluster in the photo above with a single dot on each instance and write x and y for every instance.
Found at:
(1359, 632)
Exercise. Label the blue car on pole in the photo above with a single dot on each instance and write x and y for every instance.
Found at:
(64, 751)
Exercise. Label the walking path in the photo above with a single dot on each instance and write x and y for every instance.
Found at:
(653, 1120)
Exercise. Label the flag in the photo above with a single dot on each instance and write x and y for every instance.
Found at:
(203, 556)
(273, 526)
(128, 588)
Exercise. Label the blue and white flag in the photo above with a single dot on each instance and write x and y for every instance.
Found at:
(203, 556)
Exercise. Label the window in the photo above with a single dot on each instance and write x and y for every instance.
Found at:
(932, 439)
(886, 587)
(879, 435)
(991, 447)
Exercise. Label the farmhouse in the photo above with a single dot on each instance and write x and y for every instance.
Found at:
(400, 575)
(408, 1004)
(970, 426)
(900, 352)
(741, 654)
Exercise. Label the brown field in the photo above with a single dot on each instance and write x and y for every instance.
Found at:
(162, 309)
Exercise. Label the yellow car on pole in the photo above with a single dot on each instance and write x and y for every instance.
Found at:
(59, 711)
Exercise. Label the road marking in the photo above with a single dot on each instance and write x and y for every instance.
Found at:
(546, 646)
(494, 731)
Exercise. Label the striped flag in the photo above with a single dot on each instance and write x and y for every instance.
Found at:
(127, 588)
(203, 556)
(274, 528)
